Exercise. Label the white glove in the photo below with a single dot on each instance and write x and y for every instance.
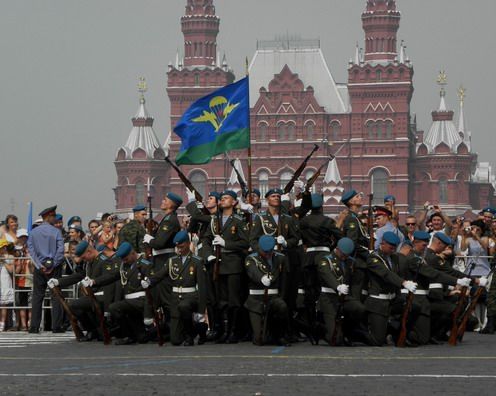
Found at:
(464, 282)
(211, 258)
(266, 280)
(218, 240)
(87, 282)
(148, 238)
(246, 207)
(297, 203)
(147, 321)
(200, 205)
(343, 289)
(285, 197)
(299, 185)
(145, 283)
(410, 286)
(190, 195)
(483, 281)
(281, 241)
(52, 283)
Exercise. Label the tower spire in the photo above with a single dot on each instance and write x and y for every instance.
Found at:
(200, 27)
(381, 21)
(442, 81)
(462, 93)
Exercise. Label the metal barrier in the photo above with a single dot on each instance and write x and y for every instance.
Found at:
(70, 293)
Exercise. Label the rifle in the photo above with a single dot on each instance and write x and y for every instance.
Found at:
(315, 176)
(241, 181)
(300, 170)
(265, 313)
(185, 180)
(460, 306)
(149, 226)
(471, 309)
(74, 324)
(217, 247)
(400, 343)
(107, 339)
(370, 222)
(156, 316)
(337, 337)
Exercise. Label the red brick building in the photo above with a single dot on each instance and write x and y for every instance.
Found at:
(366, 123)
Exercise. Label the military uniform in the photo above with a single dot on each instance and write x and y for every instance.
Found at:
(266, 301)
(127, 310)
(332, 273)
(189, 293)
(133, 232)
(234, 231)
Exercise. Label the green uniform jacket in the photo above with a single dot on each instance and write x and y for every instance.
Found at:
(264, 224)
(353, 229)
(256, 267)
(199, 224)
(191, 273)
(319, 230)
(133, 232)
(235, 234)
(166, 231)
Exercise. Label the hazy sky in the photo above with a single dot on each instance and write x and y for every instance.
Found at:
(69, 70)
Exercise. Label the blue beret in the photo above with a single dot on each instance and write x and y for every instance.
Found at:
(346, 245)
(181, 237)
(214, 194)
(389, 198)
(100, 248)
(47, 211)
(76, 227)
(488, 210)
(124, 250)
(231, 193)
(139, 208)
(391, 238)
(422, 236)
(408, 242)
(175, 198)
(317, 201)
(73, 219)
(347, 196)
(443, 238)
(59, 217)
(81, 248)
(266, 243)
(274, 191)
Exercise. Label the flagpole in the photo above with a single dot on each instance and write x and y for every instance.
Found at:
(249, 134)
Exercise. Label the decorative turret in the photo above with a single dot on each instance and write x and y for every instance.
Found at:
(333, 184)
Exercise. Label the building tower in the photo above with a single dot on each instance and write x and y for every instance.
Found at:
(198, 73)
(140, 164)
(380, 84)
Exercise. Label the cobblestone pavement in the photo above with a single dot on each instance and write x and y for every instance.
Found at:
(56, 365)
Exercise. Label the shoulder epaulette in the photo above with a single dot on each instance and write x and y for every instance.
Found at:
(196, 257)
(102, 257)
(278, 254)
(144, 261)
(238, 217)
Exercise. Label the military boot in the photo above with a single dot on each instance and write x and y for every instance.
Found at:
(490, 326)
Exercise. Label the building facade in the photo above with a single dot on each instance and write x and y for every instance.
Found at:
(365, 123)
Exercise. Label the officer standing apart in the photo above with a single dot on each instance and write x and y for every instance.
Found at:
(46, 248)
(134, 231)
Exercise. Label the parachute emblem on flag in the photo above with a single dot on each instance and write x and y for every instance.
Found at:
(220, 111)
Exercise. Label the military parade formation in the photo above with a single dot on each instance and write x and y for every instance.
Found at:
(278, 275)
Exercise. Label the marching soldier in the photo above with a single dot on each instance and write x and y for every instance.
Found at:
(266, 270)
(384, 284)
(189, 290)
(95, 265)
(128, 311)
(230, 235)
(134, 231)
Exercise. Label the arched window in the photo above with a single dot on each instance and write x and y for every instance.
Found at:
(309, 129)
(197, 80)
(443, 190)
(263, 182)
(335, 130)
(140, 194)
(308, 175)
(281, 132)
(380, 129)
(291, 132)
(370, 129)
(379, 181)
(378, 75)
(285, 178)
(199, 180)
(262, 132)
(389, 129)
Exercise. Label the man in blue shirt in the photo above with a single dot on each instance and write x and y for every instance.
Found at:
(46, 248)
(383, 219)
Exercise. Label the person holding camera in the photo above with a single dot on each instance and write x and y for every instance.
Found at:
(46, 248)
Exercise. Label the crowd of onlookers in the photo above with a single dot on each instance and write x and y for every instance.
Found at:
(474, 238)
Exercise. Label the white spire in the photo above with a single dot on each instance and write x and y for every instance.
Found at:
(461, 121)
(357, 54)
(218, 59)
(177, 60)
(167, 143)
(402, 53)
(333, 184)
(233, 180)
(332, 174)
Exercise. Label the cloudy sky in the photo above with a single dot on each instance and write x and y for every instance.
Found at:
(69, 71)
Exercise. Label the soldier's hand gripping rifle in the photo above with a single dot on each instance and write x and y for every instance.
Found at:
(400, 343)
(187, 183)
(217, 247)
(300, 170)
(458, 312)
(471, 308)
(88, 291)
(370, 222)
(149, 226)
(74, 323)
